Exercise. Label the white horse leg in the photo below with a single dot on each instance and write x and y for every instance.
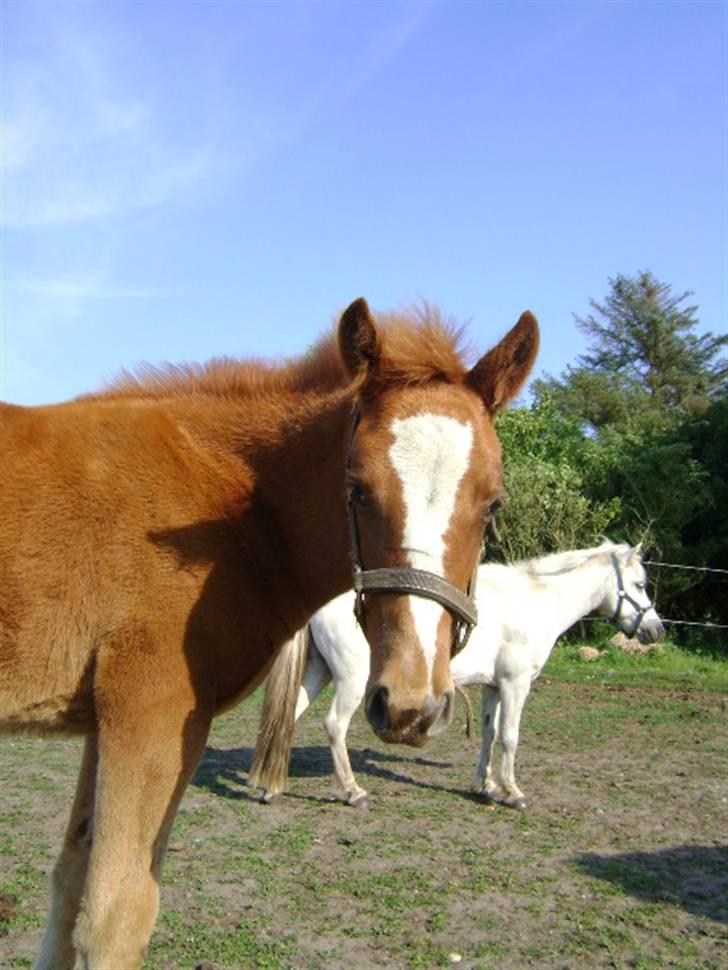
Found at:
(513, 697)
(315, 677)
(69, 875)
(348, 696)
(484, 780)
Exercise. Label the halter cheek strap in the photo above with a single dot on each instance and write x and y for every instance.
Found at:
(409, 582)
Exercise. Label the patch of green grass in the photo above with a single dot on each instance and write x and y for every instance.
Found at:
(178, 939)
(672, 667)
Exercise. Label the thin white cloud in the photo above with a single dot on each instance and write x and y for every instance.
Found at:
(73, 290)
(79, 143)
(83, 139)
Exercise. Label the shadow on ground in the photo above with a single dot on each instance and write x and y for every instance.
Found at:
(694, 877)
(224, 772)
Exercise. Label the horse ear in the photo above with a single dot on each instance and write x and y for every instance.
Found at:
(358, 338)
(502, 372)
(637, 552)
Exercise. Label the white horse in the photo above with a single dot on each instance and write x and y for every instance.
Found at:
(522, 608)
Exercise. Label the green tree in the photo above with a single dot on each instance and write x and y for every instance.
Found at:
(546, 466)
(651, 397)
(645, 367)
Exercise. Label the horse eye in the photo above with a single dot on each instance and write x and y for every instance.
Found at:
(641, 586)
(356, 493)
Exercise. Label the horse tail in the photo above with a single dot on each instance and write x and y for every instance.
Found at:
(278, 718)
(468, 711)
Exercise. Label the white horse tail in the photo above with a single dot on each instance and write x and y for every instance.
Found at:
(469, 720)
(278, 718)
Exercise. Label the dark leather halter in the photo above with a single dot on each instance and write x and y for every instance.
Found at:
(623, 595)
(409, 582)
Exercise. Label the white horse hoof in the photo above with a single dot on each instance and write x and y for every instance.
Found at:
(267, 798)
(360, 801)
(517, 803)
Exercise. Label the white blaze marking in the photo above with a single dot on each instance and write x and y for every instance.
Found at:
(430, 454)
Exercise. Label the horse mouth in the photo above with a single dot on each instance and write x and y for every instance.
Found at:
(411, 727)
(650, 632)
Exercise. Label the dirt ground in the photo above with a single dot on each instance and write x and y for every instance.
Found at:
(621, 859)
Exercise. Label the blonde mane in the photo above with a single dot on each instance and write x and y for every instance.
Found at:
(562, 562)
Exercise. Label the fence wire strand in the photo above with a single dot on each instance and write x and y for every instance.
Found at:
(676, 565)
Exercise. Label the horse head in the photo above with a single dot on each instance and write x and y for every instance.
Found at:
(423, 478)
(628, 602)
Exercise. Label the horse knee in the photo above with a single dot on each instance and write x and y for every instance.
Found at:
(334, 730)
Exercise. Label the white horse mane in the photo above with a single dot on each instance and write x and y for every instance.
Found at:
(562, 562)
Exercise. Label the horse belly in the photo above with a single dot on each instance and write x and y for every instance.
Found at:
(476, 663)
(46, 688)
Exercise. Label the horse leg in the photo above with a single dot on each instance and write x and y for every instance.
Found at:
(145, 763)
(484, 780)
(513, 697)
(347, 697)
(69, 874)
(315, 677)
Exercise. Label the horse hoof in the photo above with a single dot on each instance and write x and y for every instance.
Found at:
(518, 803)
(361, 802)
(267, 798)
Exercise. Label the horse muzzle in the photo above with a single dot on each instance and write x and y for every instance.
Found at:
(650, 630)
(411, 726)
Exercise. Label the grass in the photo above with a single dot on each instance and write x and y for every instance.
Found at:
(672, 668)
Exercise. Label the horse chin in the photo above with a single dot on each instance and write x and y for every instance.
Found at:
(413, 736)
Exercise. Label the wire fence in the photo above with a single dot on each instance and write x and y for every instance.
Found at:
(702, 569)
(677, 565)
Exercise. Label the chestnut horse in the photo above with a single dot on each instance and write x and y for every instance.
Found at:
(162, 540)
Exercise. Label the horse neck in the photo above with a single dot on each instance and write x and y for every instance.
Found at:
(573, 594)
(296, 457)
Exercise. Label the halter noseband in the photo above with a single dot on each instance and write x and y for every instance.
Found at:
(623, 595)
(416, 582)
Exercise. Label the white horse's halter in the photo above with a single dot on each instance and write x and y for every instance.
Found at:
(623, 595)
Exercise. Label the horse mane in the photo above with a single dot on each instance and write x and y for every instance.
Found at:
(562, 562)
(417, 346)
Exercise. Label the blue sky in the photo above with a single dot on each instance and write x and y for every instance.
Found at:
(182, 180)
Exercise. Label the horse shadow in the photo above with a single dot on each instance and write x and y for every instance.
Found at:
(223, 771)
(694, 877)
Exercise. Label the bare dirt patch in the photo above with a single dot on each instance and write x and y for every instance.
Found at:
(620, 861)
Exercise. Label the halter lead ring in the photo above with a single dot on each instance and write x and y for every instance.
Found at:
(409, 582)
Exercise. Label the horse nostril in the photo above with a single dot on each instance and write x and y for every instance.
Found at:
(377, 710)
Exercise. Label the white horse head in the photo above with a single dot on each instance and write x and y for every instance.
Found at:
(626, 601)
